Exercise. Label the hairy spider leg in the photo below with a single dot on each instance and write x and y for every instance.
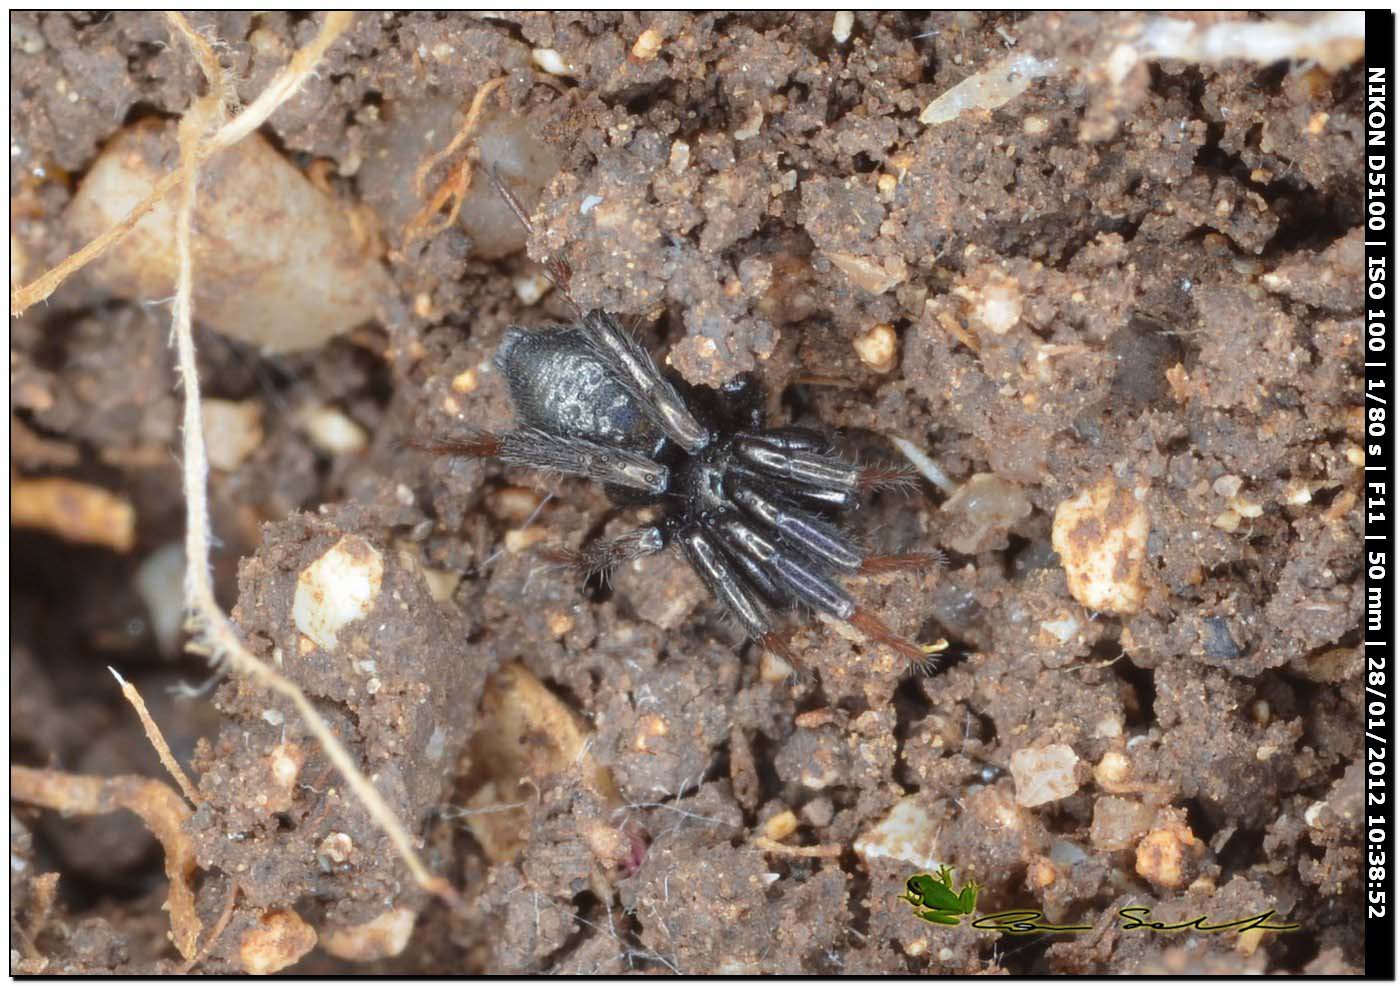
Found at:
(635, 368)
(808, 582)
(601, 557)
(555, 268)
(534, 448)
(912, 561)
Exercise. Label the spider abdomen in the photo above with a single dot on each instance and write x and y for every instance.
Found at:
(558, 384)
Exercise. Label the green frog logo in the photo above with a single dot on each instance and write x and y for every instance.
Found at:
(934, 899)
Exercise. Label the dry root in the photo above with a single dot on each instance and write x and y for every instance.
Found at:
(155, 803)
(157, 738)
(204, 132)
(282, 88)
(452, 192)
(74, 511)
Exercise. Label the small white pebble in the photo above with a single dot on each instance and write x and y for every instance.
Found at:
(530, 288)
(436, 744)
(286, 764)
(841, 24)
(550, 61)
(907, 834)
(680, 156)
(333, 431)
(337, 589)
(1100, 534)
(232, 431)
(647, 45)
(877, 347)
(589, 203)
(1227, 486)
(752, 125)
(1064, 629)
(1044, 774)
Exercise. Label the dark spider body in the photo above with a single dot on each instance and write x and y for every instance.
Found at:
(754, 509)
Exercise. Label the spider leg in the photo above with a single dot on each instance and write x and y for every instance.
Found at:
(822, 540)
(792, 438)
(804, 580)
(875, 564)
(556, 268)
(808, 470)
(637, 371)
(602, 556)
(809, 582)
(573, 456)
(728, 586)
(811, 534)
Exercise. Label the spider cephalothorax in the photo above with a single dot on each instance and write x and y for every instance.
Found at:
(755, 510)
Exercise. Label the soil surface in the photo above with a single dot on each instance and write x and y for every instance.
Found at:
(1149, 281)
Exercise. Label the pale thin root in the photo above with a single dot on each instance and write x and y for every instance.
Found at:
(208, 61)
(154, 734)
(468, 128)
(214, 634)
(811, 852)
(287, 82)
(458, 182)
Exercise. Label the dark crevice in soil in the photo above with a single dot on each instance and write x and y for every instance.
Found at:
(1140, 713)
(911, 705)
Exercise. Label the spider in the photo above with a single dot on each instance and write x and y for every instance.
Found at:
(755, 510)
